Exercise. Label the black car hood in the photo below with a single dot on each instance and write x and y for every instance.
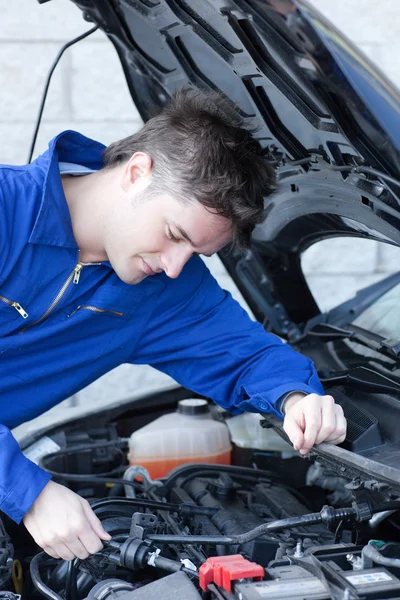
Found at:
(280, 60)
(319, 105)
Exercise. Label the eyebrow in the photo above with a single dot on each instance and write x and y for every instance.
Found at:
(187, 237)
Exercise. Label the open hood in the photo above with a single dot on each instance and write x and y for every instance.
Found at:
(327, 115)
(309, 89)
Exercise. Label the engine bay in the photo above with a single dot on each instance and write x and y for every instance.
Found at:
(270, 524)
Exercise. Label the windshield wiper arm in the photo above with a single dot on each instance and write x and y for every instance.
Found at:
(362, 378)
(330, 333)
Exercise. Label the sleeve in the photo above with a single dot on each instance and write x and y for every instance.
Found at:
(202, 338)
(4, 235)
(21, 480)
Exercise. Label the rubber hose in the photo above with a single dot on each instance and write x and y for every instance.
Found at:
(37, 580)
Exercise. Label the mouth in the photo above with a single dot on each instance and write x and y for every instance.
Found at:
(147, 269)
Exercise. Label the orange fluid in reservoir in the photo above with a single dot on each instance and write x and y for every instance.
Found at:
(160, 467)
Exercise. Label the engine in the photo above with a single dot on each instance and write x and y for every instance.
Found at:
(263, 527)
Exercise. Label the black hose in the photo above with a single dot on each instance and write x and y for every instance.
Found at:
(43, 462)
(83, 448)
(37, 580)
(243, 538)
(393, 505)
(172, 565)
(87, 478)
(71, 586)
(190, 572)
(93, 479)
(183, 509)
(167, 564)
(240, 473)
(326, 515)
(198, 470)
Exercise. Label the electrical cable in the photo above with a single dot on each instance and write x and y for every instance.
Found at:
(37, 580)
(47, 84)
(338, 531)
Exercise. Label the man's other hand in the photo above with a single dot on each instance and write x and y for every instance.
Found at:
(313, 419)
(63, 524)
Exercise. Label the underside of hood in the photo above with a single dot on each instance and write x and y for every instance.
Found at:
(304, 84)
(328, 117)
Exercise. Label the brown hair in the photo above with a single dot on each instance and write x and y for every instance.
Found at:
(201, 149)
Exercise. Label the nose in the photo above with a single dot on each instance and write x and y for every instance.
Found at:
(174, 259)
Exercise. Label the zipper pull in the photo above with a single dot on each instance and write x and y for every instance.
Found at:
(19, 309)
(77, 273)
(74, 311)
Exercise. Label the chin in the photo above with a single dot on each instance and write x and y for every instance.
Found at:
(127, 272)
(129, 277)
(133, 279)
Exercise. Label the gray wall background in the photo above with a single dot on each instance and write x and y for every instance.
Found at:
(88, 93)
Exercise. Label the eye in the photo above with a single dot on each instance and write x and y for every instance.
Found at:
(171, 236)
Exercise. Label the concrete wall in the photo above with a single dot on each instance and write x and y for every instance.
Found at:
(88, 93)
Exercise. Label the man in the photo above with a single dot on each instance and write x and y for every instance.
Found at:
(98, 268)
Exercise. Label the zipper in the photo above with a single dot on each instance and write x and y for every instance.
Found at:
(97, 310)
(15, 305)
(79, 267)
(74, 277)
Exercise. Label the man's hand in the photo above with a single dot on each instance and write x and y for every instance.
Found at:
(63, 524)
(313, 419)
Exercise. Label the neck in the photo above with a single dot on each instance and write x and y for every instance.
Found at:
(86, 197)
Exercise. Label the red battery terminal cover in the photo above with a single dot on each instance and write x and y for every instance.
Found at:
(222, 570)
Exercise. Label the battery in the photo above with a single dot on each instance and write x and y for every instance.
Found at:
(371, 584)
(305, 588)
(374, 583)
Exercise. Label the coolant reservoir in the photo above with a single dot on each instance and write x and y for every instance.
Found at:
(188, 435)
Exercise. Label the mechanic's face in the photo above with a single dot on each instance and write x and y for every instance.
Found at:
(144, 236)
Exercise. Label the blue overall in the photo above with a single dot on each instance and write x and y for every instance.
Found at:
(63, 325)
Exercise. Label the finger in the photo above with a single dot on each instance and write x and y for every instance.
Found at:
(95, 523)
(293, 431)
(51, 552)
(339, 435)
(78, 549)
(63, 551)
(328, 419)
(91, 541)
(312, 418)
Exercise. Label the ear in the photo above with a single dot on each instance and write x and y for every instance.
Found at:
(137, 168)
